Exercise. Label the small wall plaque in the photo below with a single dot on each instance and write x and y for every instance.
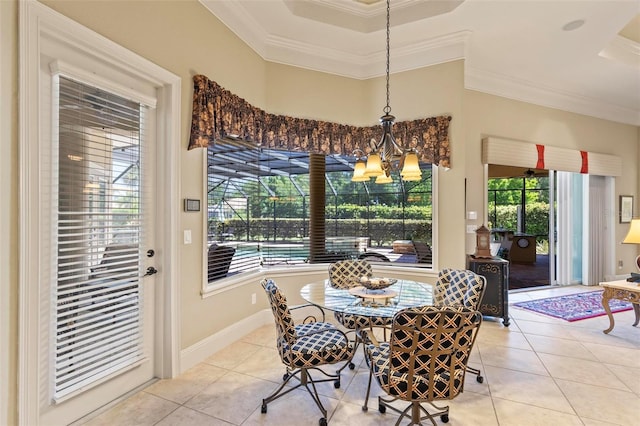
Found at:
(191, 205)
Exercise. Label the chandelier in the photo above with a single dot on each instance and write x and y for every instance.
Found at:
(386, 155)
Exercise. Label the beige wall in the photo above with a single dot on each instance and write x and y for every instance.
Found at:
(184, 38)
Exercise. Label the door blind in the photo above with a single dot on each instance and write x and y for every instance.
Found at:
(97, 297)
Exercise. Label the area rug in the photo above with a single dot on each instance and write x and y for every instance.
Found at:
(573, 307)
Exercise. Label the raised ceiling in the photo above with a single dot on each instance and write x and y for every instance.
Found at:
(516, 49)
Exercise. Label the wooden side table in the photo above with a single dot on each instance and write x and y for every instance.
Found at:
(621, 290)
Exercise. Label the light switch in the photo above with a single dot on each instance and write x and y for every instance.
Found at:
(472, 215)
(187, 236)
(471, 229)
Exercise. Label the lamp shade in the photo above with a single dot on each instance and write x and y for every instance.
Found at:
(411, 166)
(412, 177)
(383, 178)
(358, 171)
(633, 236)
(374, 166)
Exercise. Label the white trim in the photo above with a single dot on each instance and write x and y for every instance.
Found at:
(75, 73)
(7, 254)
(37, 22)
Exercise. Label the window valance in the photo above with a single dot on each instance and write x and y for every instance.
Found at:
(218, 113)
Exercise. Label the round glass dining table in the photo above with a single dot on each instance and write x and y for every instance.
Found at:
(408, 294)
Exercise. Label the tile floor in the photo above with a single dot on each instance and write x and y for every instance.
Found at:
(538, 371)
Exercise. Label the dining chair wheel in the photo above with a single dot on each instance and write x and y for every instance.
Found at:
(285, 377)
(382, 408)
(444, 418)
(336, 384)
(263, 409)
(323, 422)
(479, 379)
(351, 366)
(365, 408)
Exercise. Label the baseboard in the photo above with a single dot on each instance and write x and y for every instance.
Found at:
(198, 352)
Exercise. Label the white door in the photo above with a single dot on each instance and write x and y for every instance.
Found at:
(99, 244)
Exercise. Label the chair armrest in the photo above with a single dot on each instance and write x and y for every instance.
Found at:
(308, 317)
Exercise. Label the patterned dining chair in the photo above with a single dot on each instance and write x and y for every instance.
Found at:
(424, 360)
(345, 274)
(460, 287)
(304, 348)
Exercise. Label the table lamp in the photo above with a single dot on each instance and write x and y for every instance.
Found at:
(633, 237)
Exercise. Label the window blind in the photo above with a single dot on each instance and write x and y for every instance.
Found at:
(97, 297)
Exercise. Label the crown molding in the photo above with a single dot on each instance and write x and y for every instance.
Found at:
(525, 91)
(623, 50)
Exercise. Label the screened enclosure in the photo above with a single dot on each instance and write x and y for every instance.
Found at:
(260, 203)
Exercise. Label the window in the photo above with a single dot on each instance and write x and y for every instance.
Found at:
(259, 206)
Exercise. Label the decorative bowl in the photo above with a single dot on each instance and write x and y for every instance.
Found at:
(372, 283)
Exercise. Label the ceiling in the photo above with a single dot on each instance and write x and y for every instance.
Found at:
(523, 50)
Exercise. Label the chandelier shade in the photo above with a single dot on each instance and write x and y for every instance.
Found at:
(358, 171)
(374, 166)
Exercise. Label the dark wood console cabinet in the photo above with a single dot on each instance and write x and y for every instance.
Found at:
(495, 301)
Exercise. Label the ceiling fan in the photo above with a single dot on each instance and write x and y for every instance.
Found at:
(529, 173)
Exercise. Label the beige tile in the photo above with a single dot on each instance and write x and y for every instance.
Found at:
(232, 398)
(595, 335)
(471, 409)
(295, 408)
(265, 363)
(582, 371)
(264, 336)
(513, 359)
(545, 329)
(187, 384)
(488, 337)
(351, 414)
(512, 413)
(188, 417)
(556, 346)
(233, 355)
(526, 388)
(615, 354)
(598, 403)
(628, 375)
(357, 390)
(140, 409)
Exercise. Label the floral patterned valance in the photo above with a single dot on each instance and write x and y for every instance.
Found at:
(218, 113)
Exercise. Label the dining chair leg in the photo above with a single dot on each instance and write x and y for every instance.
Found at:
(366, 398)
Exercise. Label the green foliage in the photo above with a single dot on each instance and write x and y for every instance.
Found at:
(537, 220)
(381, 231)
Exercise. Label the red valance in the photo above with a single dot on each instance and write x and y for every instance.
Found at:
(218, 113)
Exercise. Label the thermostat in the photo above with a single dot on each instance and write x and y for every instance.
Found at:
(191, 205)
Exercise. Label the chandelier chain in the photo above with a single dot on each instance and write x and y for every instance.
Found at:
(387, 109)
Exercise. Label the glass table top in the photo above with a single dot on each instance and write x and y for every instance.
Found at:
(408, 294)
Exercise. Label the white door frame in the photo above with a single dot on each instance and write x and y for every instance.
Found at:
(37, 25)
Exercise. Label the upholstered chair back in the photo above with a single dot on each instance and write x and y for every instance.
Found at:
(344, 273)
(429, 350)
(459, 287)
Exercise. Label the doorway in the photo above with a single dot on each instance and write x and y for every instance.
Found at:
(95, 321)
(520, 212)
